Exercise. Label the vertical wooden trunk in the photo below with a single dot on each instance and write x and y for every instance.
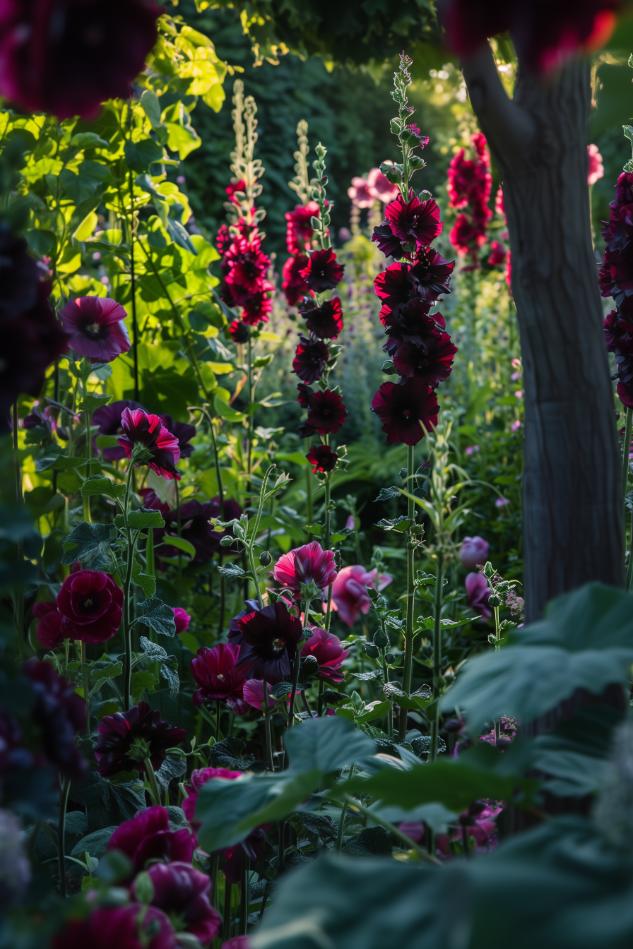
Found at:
(572, 491)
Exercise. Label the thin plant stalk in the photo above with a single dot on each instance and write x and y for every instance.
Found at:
(437, 655)
(61, 834)
(410, 594)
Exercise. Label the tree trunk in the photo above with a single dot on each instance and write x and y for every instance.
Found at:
(572, 488)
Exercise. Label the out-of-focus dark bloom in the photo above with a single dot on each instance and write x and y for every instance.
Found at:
(59, 715)
(181, 619)
(90, 605)
(95, 328)
(478, 594)
(133, 926)
(142, 428)
(403, 409)
(322, 458)
(148, 837)
(326, 411)
(299, 228)
(268, 639)
(107, 419)
(48, 51)
(239, 331)
(328, 652)
(126, 739)
(192, 521)
(322, 271)
(311, 359)
(183, 431)
(306, 565)
(182, 893)
(293, 284)
(350, 591)
(49, 625)
(324, 320)
(219, 675)
(473, 552)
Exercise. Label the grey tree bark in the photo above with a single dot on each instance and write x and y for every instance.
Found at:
(572, 491)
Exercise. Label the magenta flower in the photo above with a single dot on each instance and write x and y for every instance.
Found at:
(181, 619)
(147, 837)
(95, 328)
(380, 186)
(141, 428)
(350, 597)
(268, 639)
(49, 625)
(107, 418)
(183, 894)
(299, 227)
(218, 674)
(328, 652)
(132, 926)
(478, 594)
(198, 779)
(414, 222)
(404, 409)
(322, 271)
(308, 565)
(473, 552)
(254, 695)
(360, 193)
(126, 739)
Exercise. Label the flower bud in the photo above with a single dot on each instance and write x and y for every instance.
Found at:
(381, 639)
(371, 650)
(228, 541)
(265, 558)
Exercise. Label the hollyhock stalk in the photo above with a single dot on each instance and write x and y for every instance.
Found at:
(409, 635)
(127, 589)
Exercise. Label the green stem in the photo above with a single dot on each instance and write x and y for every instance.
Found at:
(249, 430)
(625, 452)
(61, 834)
(127, 625)
(309, 499)
(244, 899)
(150, 774)
(395, 831)
(407, 678)
(228, 887)
(268, 732)
(132, 237)
(18, 596)
(437, 655)
(85, 679)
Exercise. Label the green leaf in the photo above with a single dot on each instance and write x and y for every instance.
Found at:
(180, 543)
(156, 616)
(102, 487)
(91, 545)
(326, 745)
(145, 519)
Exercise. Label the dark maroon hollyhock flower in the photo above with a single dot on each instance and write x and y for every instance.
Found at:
(309, 564)
(48, 51)
(432, 273)
(126, 739)
(618, 330)
(182, 619)
(616, 272)
(326, 320)
(218, 674)
(388, 243)
(182, 893)
(90, 605)
(311, 359)
(478, 594)
(19, 274)
(394, 285)
(142, 428)
(132, 926)
(326, 411)
(328, 652)
(322, 271)
(232, 188)
(544, 34)
(299, 227)
(239, 332)
(322, 458)
(412, 322)
(625, 394)
(466, 235)
(59, 714)
(49, 625)
(414, 222)
(497, 255)
(95, 328)
(268, 640)
(258, 307)
(403, 409)
(107, 419)
(431, 361)
(195, 517)
(246, 267)
(147, 837)
(293, 284)
(183, 432)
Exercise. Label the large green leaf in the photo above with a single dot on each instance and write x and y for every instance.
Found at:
(326, 744)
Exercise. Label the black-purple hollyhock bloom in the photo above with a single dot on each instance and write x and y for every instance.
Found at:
(324, 320)
(148, 836)
(142, 428)
(310, 360)
(184, 432)
(126, 739)
(59, 715)
(401, 408)
(430, 360)
(132, 926)
(322, 272)
(268, 639)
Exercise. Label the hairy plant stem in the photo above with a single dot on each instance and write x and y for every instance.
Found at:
(127, 586)
(61, 834)
(249, 429)
(437, 655)
(628, 427)
(132, 238)
(244, 898)
(85, 679)
(296, 666)
(310, 512)
(407, 677)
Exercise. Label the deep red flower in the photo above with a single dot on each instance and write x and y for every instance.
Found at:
(431, 361)
(311, 359)
(326, 411)
(466, 235)
(414, 222)
(497, 255)
(329, 653)
(90, 605)
(324, 320)
(133, 926)
(298, 227)
(411, 321)
(268, 639)
(182, 893)
(95, 328)
(309, 564)
(431, 273)
(49, 626)
(394, 285)
(258, 306)
(388, 243)
(293, 284)
(322, 458)
(48, 51)
(107, 418)
(403, 409)
(142, 428)
(198, 779)
(147, 837)
(239, 331)
(218, 674)
(126, 739)
(58, 714)
(322, 271)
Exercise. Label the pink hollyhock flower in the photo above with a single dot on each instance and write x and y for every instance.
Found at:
(147, 837)
(181, 619)
(350, 597)
(95, 328)
(380, 187)
(49, 626)
(90, 605)
(182, 893)
(478, 594)
(328, 652)
(253, 694)
(233, 187)
(497, 255)
(48, 51)
(198, 779)
(132, 926)
(473, 552)
(218, 674)
(142, 428)
(596, 167)
(360, 194)
(309, 564)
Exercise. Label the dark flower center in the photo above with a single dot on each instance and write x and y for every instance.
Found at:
(278, 644)
(94, 330)
(88, 603)
(407, 414)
